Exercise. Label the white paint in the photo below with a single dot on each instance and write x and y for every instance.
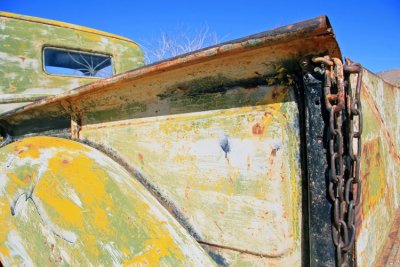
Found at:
(17, 249)
(68, 236)
(19, 202)
(192, 250)
(10, 160)
(3, 183)
(50, 237)
(114, 252)
(2, 24)
(64, 255)
(27, 63)
(43, 90)
(70, 192)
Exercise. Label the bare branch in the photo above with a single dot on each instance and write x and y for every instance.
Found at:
(179, 42)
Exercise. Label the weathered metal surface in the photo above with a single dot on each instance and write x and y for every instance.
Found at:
(390, 255)
(282, 44)
(66, 203)
(232, 171)
(392, 76)
(213, 134)
(322, 251)
(22, 41)
(380, 166)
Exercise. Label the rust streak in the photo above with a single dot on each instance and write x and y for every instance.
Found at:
(390, 254)
(258, 129)
(266, 255)
(379, 118)
(305, 30)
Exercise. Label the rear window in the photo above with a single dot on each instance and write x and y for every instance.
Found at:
(76, 63)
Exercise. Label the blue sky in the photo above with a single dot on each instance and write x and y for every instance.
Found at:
(367, 31)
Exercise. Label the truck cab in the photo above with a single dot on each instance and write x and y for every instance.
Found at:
(41, 57)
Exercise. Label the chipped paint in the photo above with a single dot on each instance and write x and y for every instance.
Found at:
(108, 219)
(23, 40)
(380, 166)
(214, 136)
(237, 177)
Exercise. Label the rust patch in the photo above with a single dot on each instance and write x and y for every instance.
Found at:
(273, 152)
(141, 157)
(389, 139)
(276, 94)
(390, 255)
(258, 129)
(373, 175)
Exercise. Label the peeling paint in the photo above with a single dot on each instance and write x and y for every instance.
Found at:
(23, 40)
(380, 167)
(214, 136)
(117, 221)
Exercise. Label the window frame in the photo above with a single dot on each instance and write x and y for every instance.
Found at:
(68, 49)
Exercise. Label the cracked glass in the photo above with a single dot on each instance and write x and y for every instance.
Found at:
(76, 63)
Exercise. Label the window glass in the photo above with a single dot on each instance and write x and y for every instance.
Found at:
(68, 62)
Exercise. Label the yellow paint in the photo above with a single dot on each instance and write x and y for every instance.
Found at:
(155, 249)
(90, 212)
(373, 173)
(295, 197)
(213, 191)
(62, 24)
(92, 37)
(11, 87)
(93, 196)
(15, 179)
(26, 148)
(157, 246)
(91, 244)
(273, 106)
(4, 217)
(46, 191)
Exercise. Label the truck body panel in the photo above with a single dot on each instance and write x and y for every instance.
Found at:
(220, 139)
(380, 169)
(60, 213)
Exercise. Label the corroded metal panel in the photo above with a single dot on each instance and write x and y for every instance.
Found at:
(232, 174)
(62, 202)
(380, 166)
(214, 135)
(252, 57)
(23, 40)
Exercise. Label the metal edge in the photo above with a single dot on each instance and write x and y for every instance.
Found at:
(302, 30)
(63, 25)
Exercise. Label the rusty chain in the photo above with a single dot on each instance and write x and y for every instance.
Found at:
(344, 184)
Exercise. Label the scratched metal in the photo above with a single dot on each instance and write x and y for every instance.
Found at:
(214, 135)
(233, 174)
(380, 166)
(22, 41)
(66, 203)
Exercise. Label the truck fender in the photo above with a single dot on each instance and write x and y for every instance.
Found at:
(65, 202)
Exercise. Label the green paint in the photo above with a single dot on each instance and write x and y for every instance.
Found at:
(21, 55)
(133, 222)
(254, 42)
(116, 113)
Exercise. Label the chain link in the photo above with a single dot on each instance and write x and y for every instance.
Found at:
(344, 184)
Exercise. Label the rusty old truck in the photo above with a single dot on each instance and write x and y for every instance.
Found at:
(270, 150)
